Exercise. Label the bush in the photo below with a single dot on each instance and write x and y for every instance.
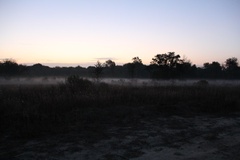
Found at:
(76, 83)
(202, 83)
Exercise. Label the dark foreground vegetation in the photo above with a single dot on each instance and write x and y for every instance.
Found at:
(30, 111)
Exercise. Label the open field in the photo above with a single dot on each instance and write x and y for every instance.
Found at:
(84, 120)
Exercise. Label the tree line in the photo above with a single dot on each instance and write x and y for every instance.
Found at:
(163, 66)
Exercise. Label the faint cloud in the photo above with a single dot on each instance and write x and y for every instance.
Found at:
(105, 58)
(43, 60)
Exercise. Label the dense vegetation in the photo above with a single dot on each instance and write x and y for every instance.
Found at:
(78, 104)
(162, 66)
(27, 111)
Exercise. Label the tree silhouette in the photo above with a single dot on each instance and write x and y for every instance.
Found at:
(231, 63)
(184, 69)
(110, 67)
(137, 60)
(169, 60)
(98, 70)
(134, 67)
(167, 64)
(231, 68)
(130, 68)
(9, 67)
(109, 63)
(212, 70)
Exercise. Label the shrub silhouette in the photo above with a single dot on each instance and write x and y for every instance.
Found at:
(202, 83)
(76, 83)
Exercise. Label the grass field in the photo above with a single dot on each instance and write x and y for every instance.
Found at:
(81, 119)
(35, 110)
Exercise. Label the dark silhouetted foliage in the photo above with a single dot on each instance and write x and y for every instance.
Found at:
(137, 60)
(169, 65)
(109, 63)
(163, 66)
(232, 70)
(231, 63)
(212, 70)
(98, 70)
(75, 83)
(9, 67)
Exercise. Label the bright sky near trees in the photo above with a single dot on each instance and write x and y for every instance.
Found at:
(84, 31)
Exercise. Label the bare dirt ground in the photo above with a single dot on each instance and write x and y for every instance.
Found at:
(170, 138)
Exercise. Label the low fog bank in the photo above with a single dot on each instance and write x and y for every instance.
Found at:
(116, 81)
(32, 81)
(171, 82)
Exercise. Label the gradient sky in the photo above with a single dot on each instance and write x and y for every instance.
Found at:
(84, 31)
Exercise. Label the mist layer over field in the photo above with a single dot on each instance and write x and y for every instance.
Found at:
(115, 81)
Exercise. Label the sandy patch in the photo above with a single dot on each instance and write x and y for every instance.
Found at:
(170, 138)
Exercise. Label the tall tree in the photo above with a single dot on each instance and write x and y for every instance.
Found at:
(109, 63)
(137, 60)
(167, 63)
(212, 70)
(167, 59)
(98, 70)
(231, 63)
(9, 67)
(231, 68)
(110, 67)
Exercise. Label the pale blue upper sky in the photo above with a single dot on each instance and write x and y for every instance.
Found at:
(82, 31)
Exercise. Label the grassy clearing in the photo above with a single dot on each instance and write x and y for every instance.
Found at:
(29, 111)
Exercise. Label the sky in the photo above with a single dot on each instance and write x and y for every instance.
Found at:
(81, 32)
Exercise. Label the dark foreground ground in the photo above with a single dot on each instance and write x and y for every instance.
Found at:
(82, 120)
(174, 137)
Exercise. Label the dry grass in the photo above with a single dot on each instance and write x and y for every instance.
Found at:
(30, 111)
